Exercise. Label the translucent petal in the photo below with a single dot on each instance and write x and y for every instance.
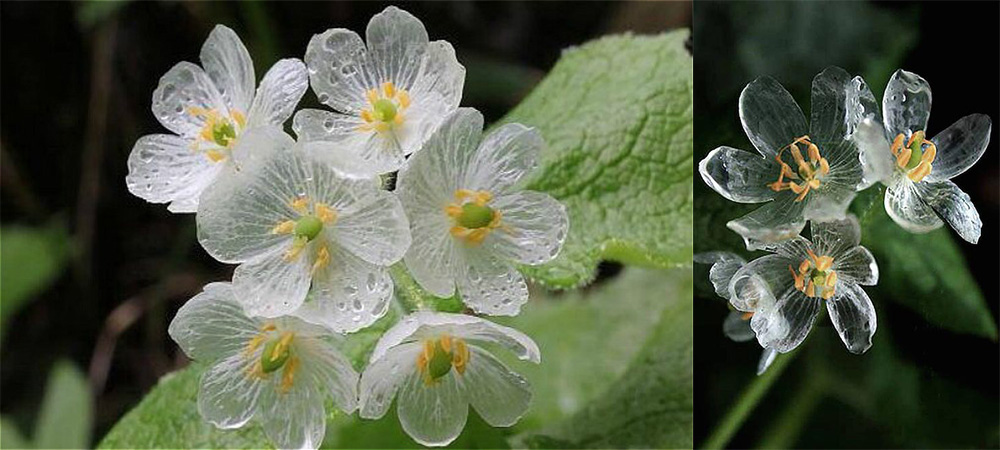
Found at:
(424, 116)
(785, 325)
(491, 286)
(770, 116)
(775, 221)
(279, 93)
(212, 324)
(228, 65)
(472, 328)
(294, 419)
(185, 86)
(959, 146)
(756, 285)
(534, 227)
(228, 397)
(861, 106)
(433, 415)
(737, 328)
(831, 199)
(500, 396)
(348, 295)
(853, 316)
(326, 368)
(904, 206)
(383, 377)
(397, 43)
(766, 358)
(724, 266)
(504, 156)
(953, 206)
(440, 75)
(163, 168)
(829, 105)
(335, 140)
(835, 237)
(446, 157)
(858, 266)
(433, 258)
(739, 175)
(374, 227)
(797, 248)
(340, 70)
(906, 104)
(876, 157)
(271, 286)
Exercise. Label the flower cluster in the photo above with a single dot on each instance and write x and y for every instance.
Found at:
(809, 173)
(314, 232)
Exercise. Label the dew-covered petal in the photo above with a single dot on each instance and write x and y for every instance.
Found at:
(433, 258)
(446, 157)
(876, 156)
(504, 156)
(294, 419)
(374, 227)
(471, 328)
(828, 121)
(163, 168)
(270, 285)
(279, 93)
(785, 325)
(861, 106)
(737, 328)
(326, 368)
(775, 221)
(835, 237)
(384, 376)
(857, 265)
(724, 266)
(348, 295)
(335, 140)
(433, 415)
(499, 395)
(397, 43)
(959, 146)
(906, 104)
(905, 207)
(853, 316)
(770, 116)
(227, 63)
(340, 70)
(756, 285)
(185, 86)
(953, 206)
(228, 397)
(212, 324)
(533, 227)
(766, 358)
(739, 175)
(441, 76)
(492, 286)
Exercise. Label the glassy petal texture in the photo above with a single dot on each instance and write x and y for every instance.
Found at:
(906, 104)
(739, 175)
(770, 116)
(227, 63)
(960, 146)
(853, 316)
(953, 206)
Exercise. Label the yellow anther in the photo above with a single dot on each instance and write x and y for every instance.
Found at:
(282, 345)
(831, 279)
(746, 316)
(903, 157)
(404, 99)
(824, 167)
(897, 144)
(385, 108)
(799, 279)
(322, 259)
(815, 274)
(240, 119)
(288, 375)
(460, 357)
(285, 227)
(215, 155)
(807, 171)
(381, 127)
(918, 173)
(805, 266)
(325, 213)
(372, 96)
(811, 289)
(446, 343)
(300, 204)
(298, 244)
(366, 115)
(813, 153)
(388, 89)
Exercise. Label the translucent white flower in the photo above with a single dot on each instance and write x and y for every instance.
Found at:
(388, 96)
(277, 372)
(917, 171)
(293, 223)
(208, 110)
(437, 366)
(784, 291)
(802, 172)
(469, 223)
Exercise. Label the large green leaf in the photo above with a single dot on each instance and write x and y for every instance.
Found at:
(30, 259)
(65, 418)
(616, 117)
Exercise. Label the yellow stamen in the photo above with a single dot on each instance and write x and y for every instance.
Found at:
(807, 171)
(285, 227)
(325, 213)
(404, 99)
(322, 259)
(293, 252)
(288, 375)
(746, 316)
(300, 204)
(282, 345)
(460, 357)
(215, 155)
(388, 89)
(366, 115)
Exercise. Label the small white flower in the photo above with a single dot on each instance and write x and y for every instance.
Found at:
(469, 223)
(783, 292)
(435, 363)
(275, 371)
(803, 172)
(917, 171)
(292, 223)
(388, 96)
(208, 110)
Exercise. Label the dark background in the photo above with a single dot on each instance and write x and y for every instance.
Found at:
(77, 83)
(919, 386)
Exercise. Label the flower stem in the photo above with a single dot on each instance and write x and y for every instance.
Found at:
(798, 410)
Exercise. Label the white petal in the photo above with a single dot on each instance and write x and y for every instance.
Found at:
(503, 158)
(766, 358)
(424, 116)
(876, 157)
(397, 43)
(756, 285)
(904, 206)
(472, 328)
(724, 266)
(959, 146)
(775, 221)
(533, 227)
(433, 258)
(857, 265)
(446, 156)
(739, 175)
(279, 93)
(853, 316)
(228, 397)
(906, 104)
(491, 286)
(163, 168)
(293, 419)
(440, 76)
(770, 116)
(212, 324)
(737, 328)
(348, 295)
(228, 64)
(828, 119)
(335, 140)
(835, 237)
(340, 70)
(952, 206)
(785, 325)
(434, 414)
(271, 286)
(500, 396)
(324, 367)
(861, 106)
(185, 86)
(374, 227)
(384, 376)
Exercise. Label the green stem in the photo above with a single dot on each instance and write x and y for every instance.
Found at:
(790, 422)
(748, 400)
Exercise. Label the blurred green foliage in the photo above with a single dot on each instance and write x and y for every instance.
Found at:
(64, 420)
(33, 258)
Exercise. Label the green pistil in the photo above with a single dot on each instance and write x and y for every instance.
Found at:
(385, 110)
(223, 133)
(916, 150)
(475, 216)
(440, 363)
(270, 362)
(308, 227)
(819, 278)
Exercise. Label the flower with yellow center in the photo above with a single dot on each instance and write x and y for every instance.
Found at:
(435, 365)
(277, 372)
(298, 230)
(917, 171)
(209, 109)
(387, 94)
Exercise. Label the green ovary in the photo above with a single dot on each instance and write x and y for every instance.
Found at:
(385, 110)
(223, 133)
(475, 216)
(269, 361)
(917, 150)
(440, 363)
(308, 227)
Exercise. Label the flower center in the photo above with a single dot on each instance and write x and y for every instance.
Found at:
(815, 276)
(440, 355)
(276, 355)
(313, 217)
(218, 131)
(385, 108)
(807, 174)
(472, 219)
(916, 156)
